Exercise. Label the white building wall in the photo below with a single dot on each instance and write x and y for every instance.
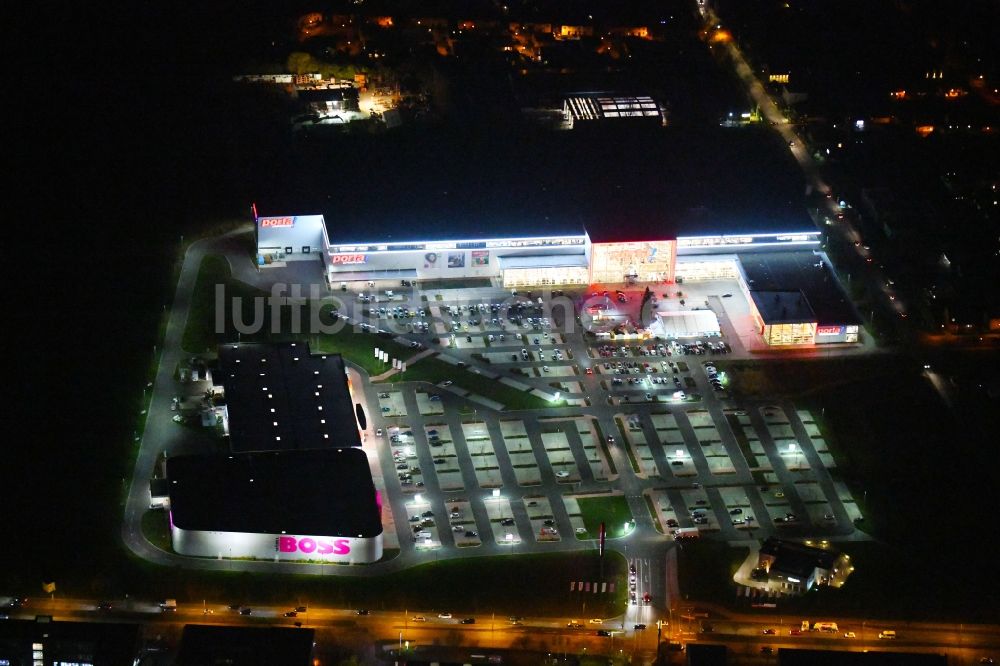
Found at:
(276, 547)
(435, 264)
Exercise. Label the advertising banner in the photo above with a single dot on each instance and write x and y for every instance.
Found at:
(268, 222)
(456, 260)
(346, 550)
(480, 257)
(347, 259)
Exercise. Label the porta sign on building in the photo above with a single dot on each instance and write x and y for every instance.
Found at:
(343, 259)
(272, 222)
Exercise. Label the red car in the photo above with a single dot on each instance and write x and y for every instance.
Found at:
(795, 632)
(590, 371)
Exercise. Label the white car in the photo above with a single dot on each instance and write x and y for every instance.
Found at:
(378, 433)
(444, 616)
(562, 474)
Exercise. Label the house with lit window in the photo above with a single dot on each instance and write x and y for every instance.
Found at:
(797, 567)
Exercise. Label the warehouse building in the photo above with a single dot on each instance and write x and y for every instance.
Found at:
(317, 505)
(284, 398)
(297, 485)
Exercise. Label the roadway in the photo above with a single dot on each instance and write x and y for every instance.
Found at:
(965, 644)
(835, 215)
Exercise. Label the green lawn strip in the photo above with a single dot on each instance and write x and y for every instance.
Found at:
(604, 447)
(435, 371)
(612, 510)
(156, 529)
(359, 348)
(653, 514)
(542, 582)
(199, 332)
(627, 445)
(706, 570)
(741, 439)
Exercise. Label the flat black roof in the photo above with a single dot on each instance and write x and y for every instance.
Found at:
(327, 94)
(416, 229)
(282, 398)
(322, 492)
(806, 271)
(789, 657)
(99, 643)
(783, 307)
(797, 558)
(612, 226)
(203, 645)
(497, 179)
(707, 654)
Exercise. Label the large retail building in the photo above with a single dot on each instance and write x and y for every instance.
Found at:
(297, 485)
(800, 306)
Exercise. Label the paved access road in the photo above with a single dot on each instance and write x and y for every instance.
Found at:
(744, 634)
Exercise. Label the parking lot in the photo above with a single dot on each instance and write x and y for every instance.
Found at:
(644, 417)
(511, 481)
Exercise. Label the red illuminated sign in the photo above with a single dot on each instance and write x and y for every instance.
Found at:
(347, 258)
(829, 330)
(277, 221)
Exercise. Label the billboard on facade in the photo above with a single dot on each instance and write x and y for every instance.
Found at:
(480, 257)
(456, 260)
(272, 222)
(275, 547)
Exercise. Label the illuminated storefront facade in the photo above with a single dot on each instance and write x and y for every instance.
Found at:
(780, 335)
(703, 268)
(276, 547)
(471, 258)
(544, 271)
(290, 238)
(572, 259)
(631, 262)
(782, 317)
